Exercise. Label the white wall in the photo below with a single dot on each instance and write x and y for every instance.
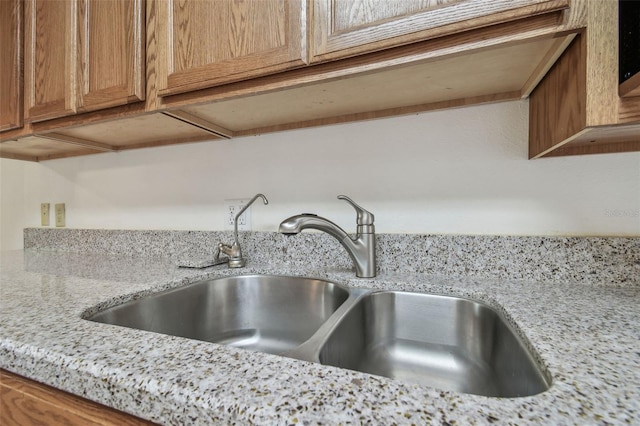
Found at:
(462, 171)
(12, 204)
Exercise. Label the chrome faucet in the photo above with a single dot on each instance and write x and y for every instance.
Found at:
(234, 251)
(361, 249)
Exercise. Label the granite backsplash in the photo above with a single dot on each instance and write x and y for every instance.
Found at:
(593, 260)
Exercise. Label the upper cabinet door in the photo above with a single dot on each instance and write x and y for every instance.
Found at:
(82, 55)
(343, 28)
(207, 43)
(50, 59)
(111, 48)
(10, 64)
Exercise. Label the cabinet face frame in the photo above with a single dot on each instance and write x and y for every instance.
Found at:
(292, 54)
(39, 75)
(11, 106)
(330, 41)
(132, 58)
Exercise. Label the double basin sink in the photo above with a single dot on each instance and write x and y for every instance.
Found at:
(446, 342)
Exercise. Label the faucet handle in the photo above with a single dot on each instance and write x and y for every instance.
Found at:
(364, 217)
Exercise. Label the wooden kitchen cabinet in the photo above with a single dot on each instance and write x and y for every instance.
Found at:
(207, 43)
(229, 68)
(11, 38)
(342, 28)
(25, 402)
(112, 53)
(82, 55)
(50, 59)
(577, 108)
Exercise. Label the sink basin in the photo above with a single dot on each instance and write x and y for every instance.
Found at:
(263, 313)
(446, 342)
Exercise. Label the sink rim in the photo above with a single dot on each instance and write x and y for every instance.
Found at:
(124, 299)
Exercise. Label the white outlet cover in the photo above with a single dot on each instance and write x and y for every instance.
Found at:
(231, 208)
(60, 215)
(44, 214)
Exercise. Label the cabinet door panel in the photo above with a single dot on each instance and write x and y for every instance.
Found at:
(343, 28)
(208, 43)
(11, 27)
(111, 45)
(50, 59)
(349, 14)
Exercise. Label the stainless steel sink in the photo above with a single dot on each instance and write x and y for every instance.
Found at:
(445, 342)
(262, 313)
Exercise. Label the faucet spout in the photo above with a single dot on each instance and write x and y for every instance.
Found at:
(234, 252)
(295, 224)
(361, 249)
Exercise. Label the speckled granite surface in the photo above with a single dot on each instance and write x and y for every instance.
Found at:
(577, 301)
(549, 259)
(586, 334)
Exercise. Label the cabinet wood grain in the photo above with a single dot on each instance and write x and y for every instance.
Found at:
(25, 402)
(576, 109)
(342, 28)
(11, 38)
(50, 59)
(556, 109)
(631, 87)
(111, 47)
(203, 44)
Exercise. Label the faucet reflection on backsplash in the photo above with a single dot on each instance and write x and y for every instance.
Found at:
(361, 249)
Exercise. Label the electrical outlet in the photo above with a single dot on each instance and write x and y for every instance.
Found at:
(60, 215)
(44, 214)
(231, 208)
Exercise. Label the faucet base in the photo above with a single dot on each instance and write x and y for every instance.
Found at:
(237, 263)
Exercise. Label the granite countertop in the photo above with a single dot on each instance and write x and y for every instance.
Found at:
(586, 335)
